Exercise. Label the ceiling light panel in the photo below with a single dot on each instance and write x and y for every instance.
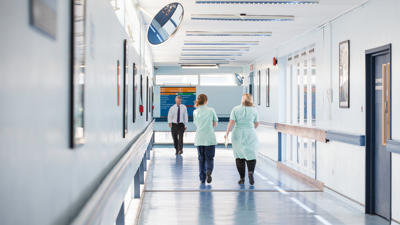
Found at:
(211, 54)
(228, 34)
(215, 49)
(204, 62)
(221, 43)
(295, 2)
(207, 59)
(199, 66)
(242, 17)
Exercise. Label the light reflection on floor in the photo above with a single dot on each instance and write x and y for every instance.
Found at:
(174, 196)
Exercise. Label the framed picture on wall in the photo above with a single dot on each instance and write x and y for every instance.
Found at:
(267, 86)
(344, 74)
(125, 90)
(141, 96)
(134, 88)
(259, 88)
(152, 101)
(147, 98)
(118, 82)
(78, 71)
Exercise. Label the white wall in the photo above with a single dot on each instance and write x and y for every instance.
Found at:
(276, 98)
(342, 166)
(42, 180)
(222, 98)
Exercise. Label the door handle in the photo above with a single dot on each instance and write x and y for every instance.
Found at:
(383, 107)
(386, 103)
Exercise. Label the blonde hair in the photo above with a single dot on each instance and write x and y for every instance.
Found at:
(247, 100)
(201, 100)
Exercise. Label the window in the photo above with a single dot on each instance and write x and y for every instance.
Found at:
(218, 80)
(193, 80)
(190, 80)
(301, 76)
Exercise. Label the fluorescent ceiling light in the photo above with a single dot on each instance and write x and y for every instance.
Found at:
(221, 43)
(206, 59)
(212, 54)
(215, 49)
(230, 33)
(204, 62)
(199, 66)
(257, 2)
(242, 17)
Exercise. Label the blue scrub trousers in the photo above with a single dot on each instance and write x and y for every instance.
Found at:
(206, 160)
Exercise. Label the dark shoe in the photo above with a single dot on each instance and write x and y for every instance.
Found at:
(241, 181)
(251, 178)
(209, 178)
(180, 152)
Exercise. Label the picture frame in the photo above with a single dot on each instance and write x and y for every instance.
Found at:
(134, 87)
(259, 88)
(118, 82)
(78, 73)
(141, 95)
(125, 89)
(147, 98)
(267, 87)
(344, 74)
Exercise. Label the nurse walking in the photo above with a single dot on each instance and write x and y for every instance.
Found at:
(205, 119)
(244, 139)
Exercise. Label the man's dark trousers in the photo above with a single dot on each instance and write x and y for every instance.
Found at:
(177, 131)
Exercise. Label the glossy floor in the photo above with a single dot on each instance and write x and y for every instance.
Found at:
(173, 195)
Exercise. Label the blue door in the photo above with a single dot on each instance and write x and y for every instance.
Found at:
(382, 158)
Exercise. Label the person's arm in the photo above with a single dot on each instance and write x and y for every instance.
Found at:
(256, 121)
(170, 117)
(185, 117)
(215, 118)
(230, 125)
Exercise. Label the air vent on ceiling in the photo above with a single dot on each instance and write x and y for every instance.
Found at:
(228, 33)
(221, 43)
(215, 49)
(242, 17)
(258, 2)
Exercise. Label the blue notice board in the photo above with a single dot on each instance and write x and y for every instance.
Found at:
(167, 99)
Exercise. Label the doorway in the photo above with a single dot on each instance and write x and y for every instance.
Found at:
(378, 131)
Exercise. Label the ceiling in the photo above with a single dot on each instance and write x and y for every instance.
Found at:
(306, 17)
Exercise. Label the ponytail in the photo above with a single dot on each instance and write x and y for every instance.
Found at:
(247, 100)
(201, 100)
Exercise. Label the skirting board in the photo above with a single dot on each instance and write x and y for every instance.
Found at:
(318, 184)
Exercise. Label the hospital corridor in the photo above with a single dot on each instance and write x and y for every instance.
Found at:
(200, 112)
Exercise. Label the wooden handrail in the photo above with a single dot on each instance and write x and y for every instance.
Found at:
(302, 131)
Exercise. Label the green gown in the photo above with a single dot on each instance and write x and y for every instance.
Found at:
(203, 118)
(244, 137)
